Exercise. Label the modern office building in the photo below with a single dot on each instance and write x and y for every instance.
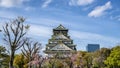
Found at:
(92, 47)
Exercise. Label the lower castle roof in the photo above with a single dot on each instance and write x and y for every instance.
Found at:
(61, 46)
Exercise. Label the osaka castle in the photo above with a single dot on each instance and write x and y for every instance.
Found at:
(60, 42)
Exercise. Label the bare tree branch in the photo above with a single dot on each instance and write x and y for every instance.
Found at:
(30, 49)
(14, 35)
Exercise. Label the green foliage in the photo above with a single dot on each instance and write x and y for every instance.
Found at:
(92, 59)
(2, 51)
(88, 58)
(113, 61)
(52, 63)
(59, 64)
(100, 56)
(80, 59)
(4, 58)
(20, 61)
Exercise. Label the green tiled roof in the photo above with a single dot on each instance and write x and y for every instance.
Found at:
(60, 41)
(61, 36)
(60, 27)
(61, 47)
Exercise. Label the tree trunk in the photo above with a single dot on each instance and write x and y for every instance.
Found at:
(30, 59)
(40, 65)
(53, 65)
(71, 65)
(11, 59)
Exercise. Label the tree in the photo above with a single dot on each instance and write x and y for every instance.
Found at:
(54, 62)
(14, 35)
(88, 59)
(30, 49)
(4, 58)
(100, 56)
(113, 61)
(2, 52)
(68, 62)
(80, 59)
(37, 61)
(19, 61)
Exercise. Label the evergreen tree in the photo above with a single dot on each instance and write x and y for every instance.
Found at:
(4, 58)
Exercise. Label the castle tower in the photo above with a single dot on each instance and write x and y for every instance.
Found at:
(60, 42)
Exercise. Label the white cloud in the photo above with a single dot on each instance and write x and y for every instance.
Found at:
(39, 31)
(92, 36)
(46, 3)
(11, 3)
(80, 2)
(100, 10)
(29, 8)
(7, 15)
(44, 33)
(41, 28)
(87, 37)
(115, 17)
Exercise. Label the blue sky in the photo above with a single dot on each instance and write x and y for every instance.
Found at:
(88, 21)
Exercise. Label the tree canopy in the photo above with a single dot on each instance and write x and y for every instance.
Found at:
(113, 61)
(4, 58)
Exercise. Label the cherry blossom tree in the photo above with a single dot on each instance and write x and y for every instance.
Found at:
(30, 51)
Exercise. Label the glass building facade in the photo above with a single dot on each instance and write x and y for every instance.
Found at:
(92, 47)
